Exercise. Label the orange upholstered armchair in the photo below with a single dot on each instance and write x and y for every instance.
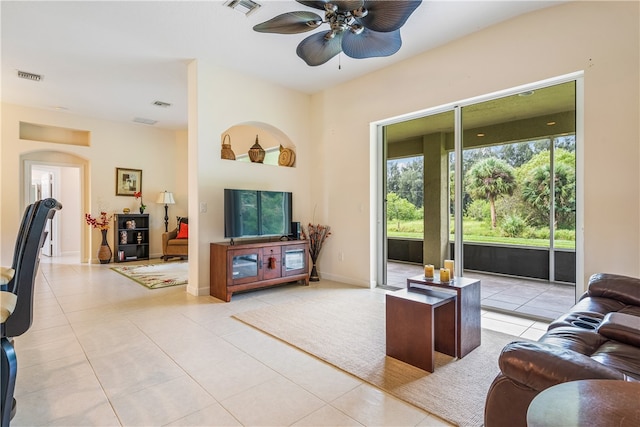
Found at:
(175, 243)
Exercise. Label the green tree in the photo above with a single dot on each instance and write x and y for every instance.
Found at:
(490, 178)
(406, 179)
(411, 182)
(393, 177)
(400, 209)
(536, 193)
(534, 179)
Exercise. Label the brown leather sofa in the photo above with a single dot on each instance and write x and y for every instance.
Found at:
(174, 247)
(599, 338)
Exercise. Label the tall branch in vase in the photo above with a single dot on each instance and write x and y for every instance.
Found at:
(316, 235)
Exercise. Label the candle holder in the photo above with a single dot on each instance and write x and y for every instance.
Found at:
(428, 271)
(449, 264)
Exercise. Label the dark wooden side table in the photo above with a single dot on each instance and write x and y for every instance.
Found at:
(411, 332)
(587, 403)
(468, 301)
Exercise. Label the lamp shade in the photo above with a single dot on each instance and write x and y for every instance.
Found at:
(166, 198)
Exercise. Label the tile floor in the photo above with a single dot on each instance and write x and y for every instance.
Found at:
(104, 350)
(535, 299)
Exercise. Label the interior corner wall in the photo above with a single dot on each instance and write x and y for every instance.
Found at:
(113, 145)
(221, 98)
(600, 38)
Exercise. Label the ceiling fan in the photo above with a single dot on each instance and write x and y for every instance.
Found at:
(360, 29)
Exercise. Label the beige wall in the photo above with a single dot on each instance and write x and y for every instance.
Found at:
(599, 38)
(159, 153)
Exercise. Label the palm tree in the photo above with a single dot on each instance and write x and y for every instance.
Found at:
(490, 178)
(536, 193)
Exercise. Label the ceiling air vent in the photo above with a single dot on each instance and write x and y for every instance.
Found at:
(29, 76)
(145, 121)
(161, 104)
(243, 6)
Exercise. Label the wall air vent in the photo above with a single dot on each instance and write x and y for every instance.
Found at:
(29, 76)
(145, 121)
(161, 104)
(243, 6)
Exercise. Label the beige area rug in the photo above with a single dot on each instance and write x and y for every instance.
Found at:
(155, 276)
(347, 330)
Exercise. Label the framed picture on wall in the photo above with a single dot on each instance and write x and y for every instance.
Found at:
(128, 181)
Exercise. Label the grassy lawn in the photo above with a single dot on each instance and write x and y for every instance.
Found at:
(479, 232)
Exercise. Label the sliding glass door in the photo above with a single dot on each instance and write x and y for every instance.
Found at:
(498, 183)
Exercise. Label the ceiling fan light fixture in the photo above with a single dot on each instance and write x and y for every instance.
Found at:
(361, 12)
(330, 7)
(330, 35)
(356, 28)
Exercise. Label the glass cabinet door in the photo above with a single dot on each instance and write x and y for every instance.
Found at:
(294, 260)
(244, 264)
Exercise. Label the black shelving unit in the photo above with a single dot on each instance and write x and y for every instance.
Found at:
(131, 238)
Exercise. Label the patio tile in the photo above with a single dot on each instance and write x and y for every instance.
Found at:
(502, 305)
(513, 299)
(539, 312)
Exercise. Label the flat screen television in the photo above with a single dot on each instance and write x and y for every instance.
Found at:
(253, 213)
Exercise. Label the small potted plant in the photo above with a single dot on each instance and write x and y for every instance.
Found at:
(138, 195)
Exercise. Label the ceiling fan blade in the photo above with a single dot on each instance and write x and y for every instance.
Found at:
(385, 16)
(317, 4)
(290, 23)
(342, 4)
(369, 44)
(316, 50)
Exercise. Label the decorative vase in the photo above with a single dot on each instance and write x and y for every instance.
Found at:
(104, 253)
(256, 152)
(141, 210)
(314, 277)
(226, 152)
(287, 157)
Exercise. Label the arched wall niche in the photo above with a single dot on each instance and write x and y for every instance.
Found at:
(242, 136)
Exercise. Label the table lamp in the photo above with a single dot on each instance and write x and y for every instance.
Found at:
(167, 199)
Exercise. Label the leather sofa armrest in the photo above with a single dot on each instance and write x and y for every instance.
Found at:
(621, 327)
(614, 286)
(540, 366)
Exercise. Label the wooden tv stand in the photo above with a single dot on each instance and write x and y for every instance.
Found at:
(253, 265)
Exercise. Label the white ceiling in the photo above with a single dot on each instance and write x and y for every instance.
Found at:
(112, 59)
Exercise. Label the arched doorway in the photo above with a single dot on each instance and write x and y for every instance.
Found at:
(63, 176)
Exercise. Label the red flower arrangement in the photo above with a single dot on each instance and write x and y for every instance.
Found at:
(138, 195)
(103, 222)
